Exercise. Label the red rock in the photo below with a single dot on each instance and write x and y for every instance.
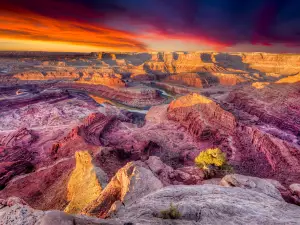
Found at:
(201, 116)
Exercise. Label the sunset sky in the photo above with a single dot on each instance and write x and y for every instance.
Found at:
(150, 25)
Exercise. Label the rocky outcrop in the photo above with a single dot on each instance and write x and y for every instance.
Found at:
(271, 157)
(38, 76)
(275, 104)
(45, 188)
(128, 185)
(138, 97)
(188, 175)
(295, 191)
(211, 204)
(105, 79)
(188, 79)
(15, 211)
(201, 116)
(31, 98)
(199, 204)
(252, 183)
(93, 126)
(83, 185)
(21, 138)
(289, 79)
(15, 158)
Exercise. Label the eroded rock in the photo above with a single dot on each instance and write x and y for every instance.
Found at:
(128, 185)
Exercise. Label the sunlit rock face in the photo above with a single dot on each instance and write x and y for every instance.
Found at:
(200, 115)
(128, 185)
(83, 186)
(112, 135)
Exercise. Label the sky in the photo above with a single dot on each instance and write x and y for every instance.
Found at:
(150, 25)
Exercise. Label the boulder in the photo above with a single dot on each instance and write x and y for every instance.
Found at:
(187, 175)
(252, 183)
(295, 191)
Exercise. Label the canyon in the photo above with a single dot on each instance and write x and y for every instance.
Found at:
(111, 138)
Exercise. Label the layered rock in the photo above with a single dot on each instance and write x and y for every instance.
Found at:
(201, 116)
(16, 159)
(128, 185)
(138, 97)
(31, 98)
(83, 185)
(274, 104)
(110, 80)
(45, 188)
(38, 76)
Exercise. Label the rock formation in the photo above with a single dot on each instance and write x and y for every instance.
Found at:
(83, 186)
(128, 185)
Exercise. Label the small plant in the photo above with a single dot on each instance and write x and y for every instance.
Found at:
(171, 213)
(212, 159)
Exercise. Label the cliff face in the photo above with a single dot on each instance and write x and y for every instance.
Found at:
(265, 147)
(200, 115)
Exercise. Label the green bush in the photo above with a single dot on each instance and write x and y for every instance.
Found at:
(171, 213)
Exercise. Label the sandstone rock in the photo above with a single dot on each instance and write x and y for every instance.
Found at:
(211, 204)
(198, 113)
(61, 218)
(265, 103)
(295, 193)
(189, 79)
(93, 126)
(289, 79)
(21, 138)
(295, 188)
(45, 188)
(159, 168)
(128, 185)
(19, 214)
(157, 114)
(138, 97)
(83, 186)
(104, 79)
(252, 183)
(187, 175)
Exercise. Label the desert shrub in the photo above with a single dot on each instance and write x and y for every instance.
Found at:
(211, 160)
(170, 213)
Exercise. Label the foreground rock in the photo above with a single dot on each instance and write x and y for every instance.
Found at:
(128, 185)
(14, 211)
(252, 183)
(211, 204)
(198, 204)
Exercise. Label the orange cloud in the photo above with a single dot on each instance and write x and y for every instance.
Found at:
(30, 26)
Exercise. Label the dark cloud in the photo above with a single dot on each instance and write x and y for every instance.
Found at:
(227, 22)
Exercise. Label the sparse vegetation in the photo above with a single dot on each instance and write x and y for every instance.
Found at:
(211, 160)
(170, 213)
